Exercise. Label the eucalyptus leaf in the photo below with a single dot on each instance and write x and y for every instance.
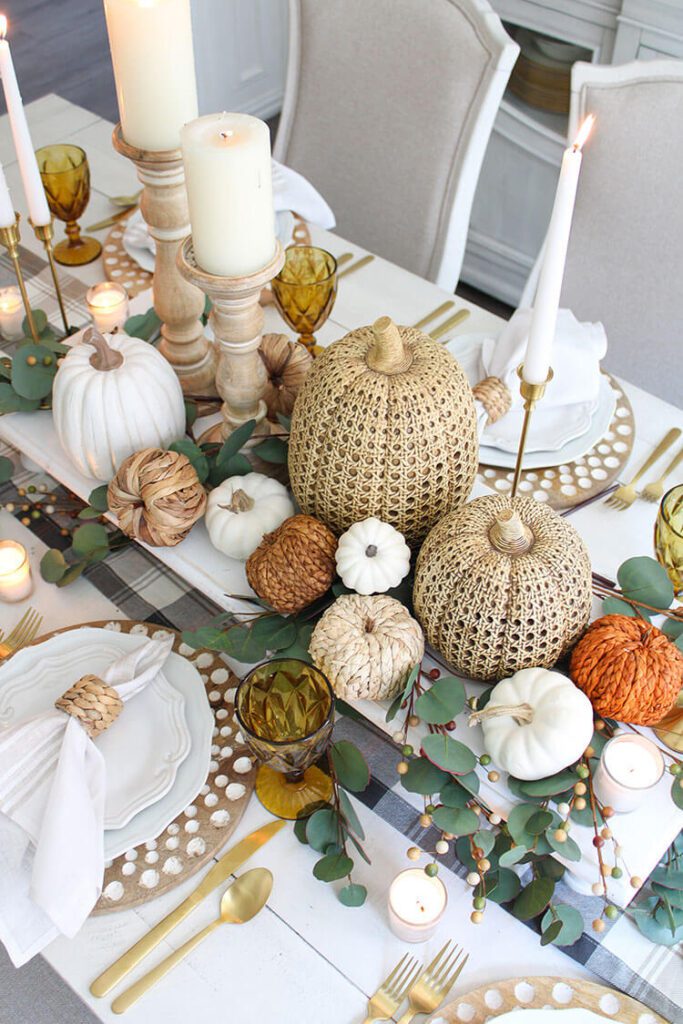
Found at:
(644, 579)
(485, 840)
(410, 682)
(72, 573)
(470, 782)
(505, 888)
(353, 895)
(89, 538)
(615, 606)
(533, 899)
(360, 849)
(236, 641)
(33, 380)
(39, 318)
(299, 649)
(10, 401)
(673, 628)
(196, 456)
(350, 766)
(585, 817)
(236, 465)
(512, 856)
(549, 867)
(423, 777)
(395, 705)
(143, 325)
(654, 925)
(273, 449)
(550, 786)
(300, 826)
(677, 793)
(236, 440)
(674, 897)
(275, 632)
(464, 853)
(6, 469)
(459, 821)
(517, 822)
(349, 811)
(53, 565)
(453, 795)
(539, 822)
(570, 921)
(442, 701)
(191, 413)
(97, 498)
(551, 932)
(332, 867)
(322, 829)
(667, 876)
(284, 421)
(569, 849)
(449, 754)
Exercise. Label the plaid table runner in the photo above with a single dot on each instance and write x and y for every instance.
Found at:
(142, 588)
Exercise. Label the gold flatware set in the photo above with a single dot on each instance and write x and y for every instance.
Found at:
(626, 494)
(425, 989)
(449, 324)
(362, 262)
(22, 634)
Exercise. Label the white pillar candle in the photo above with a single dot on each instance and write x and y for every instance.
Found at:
(629, 767)
(7, 214)
(151, 50)
(230, 192)
(108, 305)
(38, 209)
(547, 302)
(416, 905)
(11, 314)
(15, 572)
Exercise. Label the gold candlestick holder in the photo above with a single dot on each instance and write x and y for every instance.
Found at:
(45, 233)
(10, 238)
(531, 393)
(177, 302)
(237, 320)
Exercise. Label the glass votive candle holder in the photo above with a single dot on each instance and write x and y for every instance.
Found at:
(108, 305)
(11, 314)
(416, 905)
(629, 767)
(15, 572)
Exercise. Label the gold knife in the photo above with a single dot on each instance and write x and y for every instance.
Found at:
(228, 863)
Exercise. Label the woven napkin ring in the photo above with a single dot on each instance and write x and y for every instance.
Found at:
(494, 395)
(93, 703)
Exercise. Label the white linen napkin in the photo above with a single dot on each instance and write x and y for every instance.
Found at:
(52, 798)
(571, 394)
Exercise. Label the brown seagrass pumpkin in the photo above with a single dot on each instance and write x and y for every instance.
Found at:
(501, 585)
(384, 425)
(294, 565)
(628, 669)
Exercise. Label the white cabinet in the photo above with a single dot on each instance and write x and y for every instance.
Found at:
(240, 54)
(515, 192)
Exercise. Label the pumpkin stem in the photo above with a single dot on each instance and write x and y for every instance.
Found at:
(103, 358)
(388, 352)
(371, 551)
(523, 714)
(510, 535)
(240, 502)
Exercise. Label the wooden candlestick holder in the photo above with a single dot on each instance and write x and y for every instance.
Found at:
(177, 302)
(237, 320)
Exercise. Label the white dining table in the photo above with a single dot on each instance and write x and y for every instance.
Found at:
(306, 957)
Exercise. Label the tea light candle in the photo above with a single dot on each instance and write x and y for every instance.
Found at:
(11, 314)
(416, 905)
(108, 305)
(230, 193)
(629, 767)
(15, 572)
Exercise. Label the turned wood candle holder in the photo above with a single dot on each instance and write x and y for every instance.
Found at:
(237, 320)
(177, 302)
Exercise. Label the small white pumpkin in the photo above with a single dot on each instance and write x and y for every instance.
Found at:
(243, 509)
(372, 557)
(536, 723)
(114, 395)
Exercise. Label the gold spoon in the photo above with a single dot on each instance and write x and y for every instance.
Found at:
(247, 895)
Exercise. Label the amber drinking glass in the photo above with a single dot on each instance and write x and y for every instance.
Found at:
(66, 179)
(285, 709)
(669, 551)
(305, 290)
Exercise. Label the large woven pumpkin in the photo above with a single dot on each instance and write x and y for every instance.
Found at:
(384, 425)
(628, 669)
(502, 585)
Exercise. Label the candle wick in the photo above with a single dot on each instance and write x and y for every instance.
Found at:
(226, 135)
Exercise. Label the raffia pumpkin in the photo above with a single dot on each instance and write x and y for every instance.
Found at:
(384, 425)
(366, 646)
(502, 585)
(293, 565)
(628, 669)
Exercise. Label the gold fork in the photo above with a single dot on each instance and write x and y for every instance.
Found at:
(446, 326)
(655, 490)
(443, 308)
(391, 993)
(362, 262)
(625, 495)
(434, 984)
(25, 630)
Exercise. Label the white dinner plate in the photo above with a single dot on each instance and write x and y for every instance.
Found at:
(554, 440)
(157, 751)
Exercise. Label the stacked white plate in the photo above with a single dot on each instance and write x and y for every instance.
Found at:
(557, 436)
(157, 751)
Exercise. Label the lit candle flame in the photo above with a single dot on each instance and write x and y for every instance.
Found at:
(584, 131)
(3, 26)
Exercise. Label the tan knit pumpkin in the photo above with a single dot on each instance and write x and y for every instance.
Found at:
(384, 425)
(366, 646)
(501, 588)
(293, 565)
(156, 497)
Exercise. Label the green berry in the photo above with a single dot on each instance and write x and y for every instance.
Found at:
(431, 870)
(430, 808)
(31, 489)
(485, 759)
(617, 872)
(611, 912)
(582, 771)
(407, 750)
(35, 514)
(479, 903)
(676, 769)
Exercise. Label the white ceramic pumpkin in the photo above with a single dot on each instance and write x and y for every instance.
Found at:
(536, 723)
(114, 395)
(243, 509)
(372, 557)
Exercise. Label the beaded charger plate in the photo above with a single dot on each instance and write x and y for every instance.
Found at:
(119, 266)
(564, 486)
(491, 1001)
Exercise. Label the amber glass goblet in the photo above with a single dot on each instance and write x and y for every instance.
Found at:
(66, 179)
(305, 290)
(285, 709)
(669, 552)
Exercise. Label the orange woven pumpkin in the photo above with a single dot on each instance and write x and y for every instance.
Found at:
(628, 669)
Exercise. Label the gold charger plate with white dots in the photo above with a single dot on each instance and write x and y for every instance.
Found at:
(564, 486)
(491, 1001)
(118, 265)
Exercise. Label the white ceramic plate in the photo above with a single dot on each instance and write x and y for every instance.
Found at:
(157, 752)
(554, 440)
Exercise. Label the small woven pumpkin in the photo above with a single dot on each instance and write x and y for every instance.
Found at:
(293, 565)
(628, 669)
(366, 646)
(384, 425)
(156, 497)
(501, 586)
(287, 363)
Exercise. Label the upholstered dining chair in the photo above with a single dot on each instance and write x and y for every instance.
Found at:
(625, 257)
(388, 109)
